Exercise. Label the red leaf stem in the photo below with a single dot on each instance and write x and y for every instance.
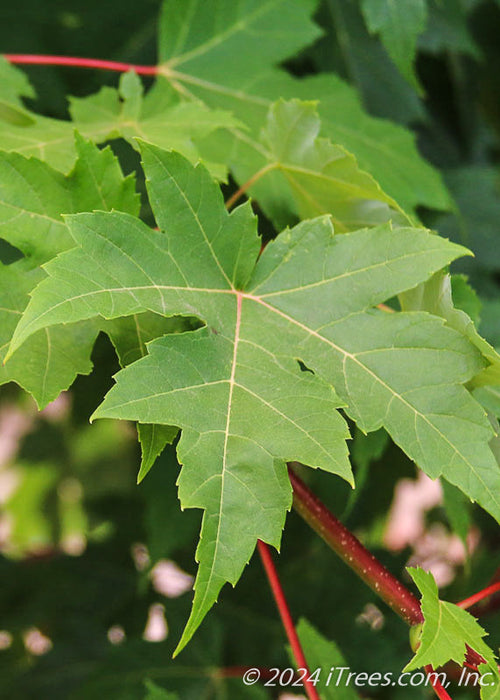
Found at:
(492, 604)
(286, 617)
(436, 685)
(251, 181)
(480, 595)
(73, 61)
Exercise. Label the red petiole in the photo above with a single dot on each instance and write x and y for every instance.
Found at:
(73, 61)
(480, 595)
(286, 617)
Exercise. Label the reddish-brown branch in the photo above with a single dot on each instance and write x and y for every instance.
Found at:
(354, 554)
(286, 617)
(358, 558)
(73, 61)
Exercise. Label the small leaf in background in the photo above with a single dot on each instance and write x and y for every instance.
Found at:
(33, 199)
(349, 50)
(399, 24)
(168, 528)
(154, 692)
(323, 654)
(129, 337)
(476, 190)
(364, 449)
(368, 448)
(309, 176)
(447, 29)
(160, 117)
(465, 297)
(153, 438)
(447, 630)
(193, 49)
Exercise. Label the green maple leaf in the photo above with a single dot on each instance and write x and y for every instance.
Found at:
(13, 85)
(33, 200)
(30, 134)
(154, 692)
(447, 631)
(306, 176)
(159, 116)
(323, 654)
(235, 387)
(130, 336)
(232, 64)
(51, 359)
(153, 439)
(33, 197)
(435, 296)
(399, 24)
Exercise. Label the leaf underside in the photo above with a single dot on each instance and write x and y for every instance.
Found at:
(235, 386)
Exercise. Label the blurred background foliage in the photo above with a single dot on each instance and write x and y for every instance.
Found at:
(95, 571)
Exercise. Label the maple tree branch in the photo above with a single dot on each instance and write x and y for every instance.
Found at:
(360, 560)
(286, 617)
(353, 553)
(251, 181)
(73, 61)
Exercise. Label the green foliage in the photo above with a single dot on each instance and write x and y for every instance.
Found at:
(109, 114)
(193, 48)
(447, 631)
(34, 198)
(315, 177)
(241, 337)
(323, 654)
(157, 693)
(159, 117)
(399, 24)
(207, 382)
